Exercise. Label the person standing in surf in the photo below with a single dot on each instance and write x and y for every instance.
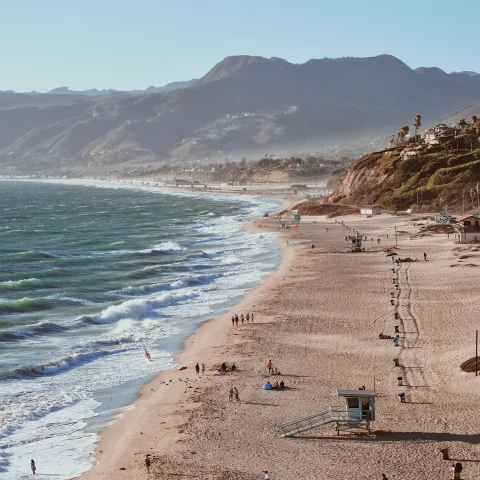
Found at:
(33, 466)
(147, 355)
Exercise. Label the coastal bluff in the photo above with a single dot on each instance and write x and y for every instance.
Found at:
(433, 177)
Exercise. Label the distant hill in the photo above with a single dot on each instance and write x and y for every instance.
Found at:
(243, 104)
(93, 92)
(465, 113)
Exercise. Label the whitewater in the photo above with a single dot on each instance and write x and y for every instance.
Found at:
(92, 275)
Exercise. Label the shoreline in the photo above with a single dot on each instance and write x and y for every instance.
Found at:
(198, 343)
(117, 408)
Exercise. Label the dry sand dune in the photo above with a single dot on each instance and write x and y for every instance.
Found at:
(318, 318)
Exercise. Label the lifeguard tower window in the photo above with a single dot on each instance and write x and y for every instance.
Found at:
(353, 402)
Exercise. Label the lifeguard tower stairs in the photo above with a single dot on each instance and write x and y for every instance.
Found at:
(358, 412)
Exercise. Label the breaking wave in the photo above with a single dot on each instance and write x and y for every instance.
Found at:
(165, 247)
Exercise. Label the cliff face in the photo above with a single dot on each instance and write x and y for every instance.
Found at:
(361, 181)
(392, 180)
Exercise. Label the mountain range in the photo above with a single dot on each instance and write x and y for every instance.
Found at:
(94, 92)
(243, 105)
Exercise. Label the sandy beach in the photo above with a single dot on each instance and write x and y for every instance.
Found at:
(317, 318)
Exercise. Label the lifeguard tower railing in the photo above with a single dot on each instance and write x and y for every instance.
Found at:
(343, 418)
(332, 414)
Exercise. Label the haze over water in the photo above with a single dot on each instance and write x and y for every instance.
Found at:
(91, 276)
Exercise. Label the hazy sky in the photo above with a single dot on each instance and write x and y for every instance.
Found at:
(132, 44)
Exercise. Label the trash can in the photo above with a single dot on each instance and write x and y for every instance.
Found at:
(392, 294)
(401, 397)
(392, 301)
(444, 453)
(400, 381)
(396, 362)
(396, 287)
(397, 330)
(397, 316)
(394, 281)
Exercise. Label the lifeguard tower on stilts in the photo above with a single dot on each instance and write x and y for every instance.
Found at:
(357, 242)
(358, 412)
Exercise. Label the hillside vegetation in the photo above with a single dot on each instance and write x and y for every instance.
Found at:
(441, 178)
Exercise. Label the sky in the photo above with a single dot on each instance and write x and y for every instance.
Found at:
(132, 44)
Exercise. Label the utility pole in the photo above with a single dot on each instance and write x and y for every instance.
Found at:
(478, 197)
(476, 352)
(463, 196)
(396, 237)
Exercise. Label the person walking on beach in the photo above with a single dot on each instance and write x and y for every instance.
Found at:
(456, 470)
(384, 477)
(197, 368)
(233, 320)
(242, 318)
(235, 391)
(33, 466)
(203, 369)
(248, 317)
(267, 476)
(252, 317)
(269, 366)
(231, 394)
(236, 320)
(147, 462)
(424, 256)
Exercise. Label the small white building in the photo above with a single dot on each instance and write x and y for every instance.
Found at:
(467, 229)
(370, 209)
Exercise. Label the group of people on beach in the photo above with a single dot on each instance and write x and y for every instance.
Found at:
(233, 394)
(242, 319)
(197, 369)
(271, 369)
(224, 369)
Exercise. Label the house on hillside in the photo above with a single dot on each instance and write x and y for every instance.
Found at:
(437, 134)
(410, 152)
(432, 137)
(370, 209)
(467, 229)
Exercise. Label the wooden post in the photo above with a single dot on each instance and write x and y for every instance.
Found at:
(476, 352)
(396, 239)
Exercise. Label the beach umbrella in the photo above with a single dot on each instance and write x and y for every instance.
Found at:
(391, 254)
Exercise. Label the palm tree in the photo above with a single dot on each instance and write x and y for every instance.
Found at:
(417, 123)
(475, 124)
(403, 133)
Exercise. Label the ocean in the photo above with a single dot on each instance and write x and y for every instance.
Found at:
(92, 275)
